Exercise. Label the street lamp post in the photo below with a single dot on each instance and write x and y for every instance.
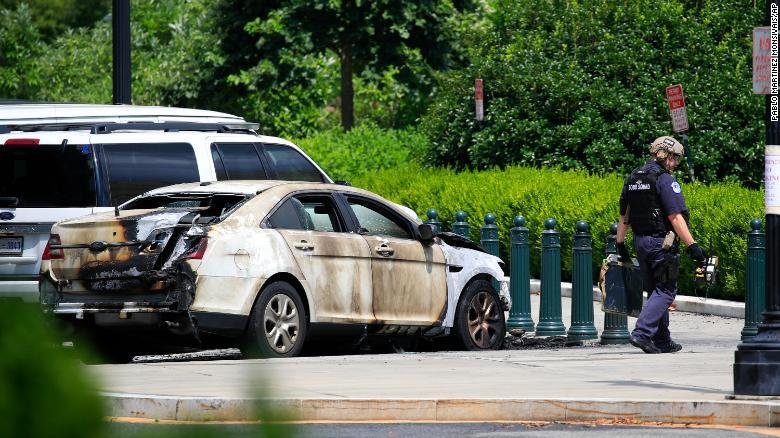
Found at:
(120, 19)
(757, 359)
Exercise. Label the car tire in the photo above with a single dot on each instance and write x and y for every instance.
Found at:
(278, 324)
(479, 318)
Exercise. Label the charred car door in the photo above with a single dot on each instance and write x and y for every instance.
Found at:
(409, 278)
(334, 262)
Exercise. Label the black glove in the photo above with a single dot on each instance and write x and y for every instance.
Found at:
(625, 256)
(695, 252)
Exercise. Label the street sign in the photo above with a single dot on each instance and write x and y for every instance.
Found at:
(674, 95)
(761, 59)
(479, 99)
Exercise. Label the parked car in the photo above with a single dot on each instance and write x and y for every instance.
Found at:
(62, 160)
(262, 261)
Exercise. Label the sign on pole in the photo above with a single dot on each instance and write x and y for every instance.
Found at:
(674, 95)
(761, 59)
(479, 100)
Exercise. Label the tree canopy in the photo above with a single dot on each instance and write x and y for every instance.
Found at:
(581, 85)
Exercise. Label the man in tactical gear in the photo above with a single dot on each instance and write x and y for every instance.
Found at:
(652, 204)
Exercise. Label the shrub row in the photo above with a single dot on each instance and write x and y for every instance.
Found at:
(720, 213)
(364, 149)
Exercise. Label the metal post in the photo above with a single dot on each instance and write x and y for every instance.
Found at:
(757, 359)
(489, 235)
(120, 18)
(615, 325)
(550, 323)
(582, 327)
(755, 294)
(520, 278)
(433, 221)
(460, 226)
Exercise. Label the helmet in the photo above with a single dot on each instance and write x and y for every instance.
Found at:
(663, 146)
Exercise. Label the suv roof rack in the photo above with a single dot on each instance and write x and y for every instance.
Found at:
(109, 127)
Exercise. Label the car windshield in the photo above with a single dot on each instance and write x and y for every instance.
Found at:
(207, 204)
(47, 175)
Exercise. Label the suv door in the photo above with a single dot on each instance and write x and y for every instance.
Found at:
(409, 278)
(336, 264)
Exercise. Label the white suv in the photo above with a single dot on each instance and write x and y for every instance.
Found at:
(61, 161)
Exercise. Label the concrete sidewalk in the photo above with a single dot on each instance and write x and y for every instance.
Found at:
(590, 382)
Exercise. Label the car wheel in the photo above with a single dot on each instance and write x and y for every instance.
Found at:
(479, 318)
(278, 325)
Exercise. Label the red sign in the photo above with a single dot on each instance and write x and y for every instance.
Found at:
(674, 95)
(478, 100)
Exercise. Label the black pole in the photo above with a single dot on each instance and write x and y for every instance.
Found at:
(120, 17)
(757, 360)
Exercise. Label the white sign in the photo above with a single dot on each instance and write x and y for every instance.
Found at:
(772, 179)
(674, 95)
(479, 99)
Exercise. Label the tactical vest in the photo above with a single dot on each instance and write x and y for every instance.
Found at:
(644, 204)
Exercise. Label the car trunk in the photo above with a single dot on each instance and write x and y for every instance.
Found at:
(130, 252)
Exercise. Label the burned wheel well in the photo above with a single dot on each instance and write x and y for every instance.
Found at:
(482, 276)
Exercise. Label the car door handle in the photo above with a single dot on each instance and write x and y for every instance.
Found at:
(384, 250)
(303, 245)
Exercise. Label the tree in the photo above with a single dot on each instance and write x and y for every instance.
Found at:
(289, 36)
(581, 85)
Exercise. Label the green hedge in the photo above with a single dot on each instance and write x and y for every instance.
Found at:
(364, 149)
(720, 213)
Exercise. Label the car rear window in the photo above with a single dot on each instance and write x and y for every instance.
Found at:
(206, 204)
(48, 175)
(137, 168)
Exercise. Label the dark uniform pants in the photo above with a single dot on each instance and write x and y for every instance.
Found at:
(659, 270)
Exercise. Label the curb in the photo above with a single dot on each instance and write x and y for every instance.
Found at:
(734, 413)
(684, 303)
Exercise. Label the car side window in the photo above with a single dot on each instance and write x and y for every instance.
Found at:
(307, 212)
(136, 168)
(375, 220)
(290, 164)
(237, 161)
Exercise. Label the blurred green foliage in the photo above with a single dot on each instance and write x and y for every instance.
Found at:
(581, 85)
(720, 213)
(44, 390)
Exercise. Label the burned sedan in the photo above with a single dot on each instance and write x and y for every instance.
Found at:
(263, 261)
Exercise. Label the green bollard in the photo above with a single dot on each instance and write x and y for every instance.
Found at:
(489, 235)
(582, 328)
(489, 240)
(550, 323)
(755, 295)
(520, 278)
(433, 217)
(460, 226)
(615, 324)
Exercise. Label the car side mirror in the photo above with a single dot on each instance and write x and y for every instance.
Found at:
(426, 234)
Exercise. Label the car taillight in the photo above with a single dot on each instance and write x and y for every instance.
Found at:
(53, 250)
(22, 141)
(198, 250)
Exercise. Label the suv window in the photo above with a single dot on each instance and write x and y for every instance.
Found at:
(290, 164)
(375, 220)
(237, 161)
(136, 168)
(48, 175)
